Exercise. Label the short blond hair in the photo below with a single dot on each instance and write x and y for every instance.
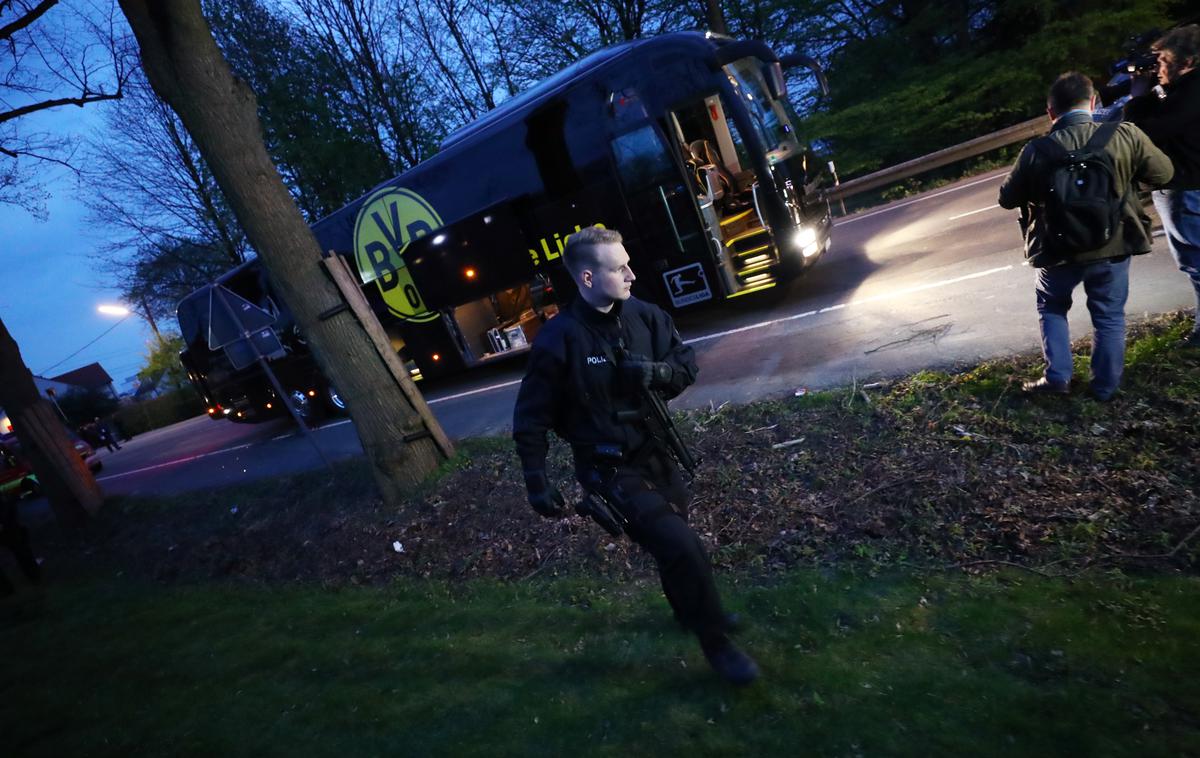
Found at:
(579, 254)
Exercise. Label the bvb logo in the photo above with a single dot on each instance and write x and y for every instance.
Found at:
(387, 222)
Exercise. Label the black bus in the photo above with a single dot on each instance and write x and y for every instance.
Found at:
(683, 142)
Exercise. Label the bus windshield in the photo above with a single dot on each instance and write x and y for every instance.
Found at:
(769, 116)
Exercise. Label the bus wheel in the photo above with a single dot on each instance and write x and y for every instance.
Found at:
(305, 408)
(333, 400)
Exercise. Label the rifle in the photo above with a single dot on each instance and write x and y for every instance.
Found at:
(661, 426)
(593, 507)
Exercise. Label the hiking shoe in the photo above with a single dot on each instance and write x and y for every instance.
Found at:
(731, 664)
(1094, 395)
(1044, 386)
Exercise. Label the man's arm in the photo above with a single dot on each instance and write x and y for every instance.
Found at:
(1150, 165)
(1164, 119)
(669, 349)
(1014, 193)
(536, 407)
(533, 418)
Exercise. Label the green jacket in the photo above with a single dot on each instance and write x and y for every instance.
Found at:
(1135, 159)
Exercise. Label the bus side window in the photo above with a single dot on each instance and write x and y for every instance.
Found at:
(739, 145)
(546, 139)
(642, 158)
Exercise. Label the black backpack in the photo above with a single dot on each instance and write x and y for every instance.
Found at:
(1081, 204)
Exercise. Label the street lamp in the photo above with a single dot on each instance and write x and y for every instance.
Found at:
(124, 312)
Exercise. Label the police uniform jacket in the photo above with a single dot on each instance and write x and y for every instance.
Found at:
(1135, 159)
(1174, 125)
(572, 386)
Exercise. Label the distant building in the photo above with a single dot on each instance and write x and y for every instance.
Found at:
(42, 384)
(89, 377)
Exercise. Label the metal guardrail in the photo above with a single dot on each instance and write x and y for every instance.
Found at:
(1026, 130)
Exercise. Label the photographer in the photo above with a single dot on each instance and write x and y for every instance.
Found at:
(587, 377)
(1170, 115)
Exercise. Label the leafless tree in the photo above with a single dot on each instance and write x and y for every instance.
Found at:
(56, 56)
(378, 74)
(171, 229)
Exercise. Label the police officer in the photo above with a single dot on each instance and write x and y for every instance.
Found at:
(586, 376)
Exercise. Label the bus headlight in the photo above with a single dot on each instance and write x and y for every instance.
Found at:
(806, 241)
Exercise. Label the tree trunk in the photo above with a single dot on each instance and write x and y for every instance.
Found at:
(187, 70)
(65, 479)
(716, 17)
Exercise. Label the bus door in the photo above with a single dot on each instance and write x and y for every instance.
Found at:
(729, 190)
(667, 225)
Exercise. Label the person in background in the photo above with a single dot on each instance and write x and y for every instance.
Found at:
(1103, 271)
(1170, 115)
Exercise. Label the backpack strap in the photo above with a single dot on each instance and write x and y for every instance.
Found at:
(1055, 150)
(1100, 138)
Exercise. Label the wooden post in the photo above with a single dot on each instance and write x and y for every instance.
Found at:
(353, 295)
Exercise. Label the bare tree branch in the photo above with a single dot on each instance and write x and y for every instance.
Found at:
(30, 16)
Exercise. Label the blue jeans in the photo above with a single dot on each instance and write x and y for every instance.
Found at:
(1106, 284)
(1180, 214)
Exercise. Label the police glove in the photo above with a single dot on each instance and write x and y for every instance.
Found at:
(641, 371)
(543, 496)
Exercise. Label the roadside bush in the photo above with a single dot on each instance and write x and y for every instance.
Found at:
(161, 411)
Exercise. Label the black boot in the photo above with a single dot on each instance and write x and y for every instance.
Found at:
(730, 663)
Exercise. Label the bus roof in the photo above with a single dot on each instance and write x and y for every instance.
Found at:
(517, 107)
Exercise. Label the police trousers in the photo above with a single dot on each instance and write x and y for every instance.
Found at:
(650, 493)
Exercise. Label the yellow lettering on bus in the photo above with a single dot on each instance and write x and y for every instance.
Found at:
(551, 252)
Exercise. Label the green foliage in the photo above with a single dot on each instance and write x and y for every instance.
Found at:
(324, 149)
(162, 363)
(925, 82)
(83, 405)
(144, 415)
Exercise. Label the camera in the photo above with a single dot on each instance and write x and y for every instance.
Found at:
(1138, 60)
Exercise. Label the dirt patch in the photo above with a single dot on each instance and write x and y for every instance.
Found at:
(935, 470)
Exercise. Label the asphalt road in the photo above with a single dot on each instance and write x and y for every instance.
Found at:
(933, 281)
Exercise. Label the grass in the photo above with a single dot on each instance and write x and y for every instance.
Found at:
(905, 664)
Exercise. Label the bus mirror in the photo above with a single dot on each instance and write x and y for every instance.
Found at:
(800, 59)
(776, 84)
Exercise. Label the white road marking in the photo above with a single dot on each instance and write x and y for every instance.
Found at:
(839, 306)
(907, 203)
(172, 463)
(468, 393)
(972, 213)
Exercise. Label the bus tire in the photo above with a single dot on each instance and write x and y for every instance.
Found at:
(333, 400)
